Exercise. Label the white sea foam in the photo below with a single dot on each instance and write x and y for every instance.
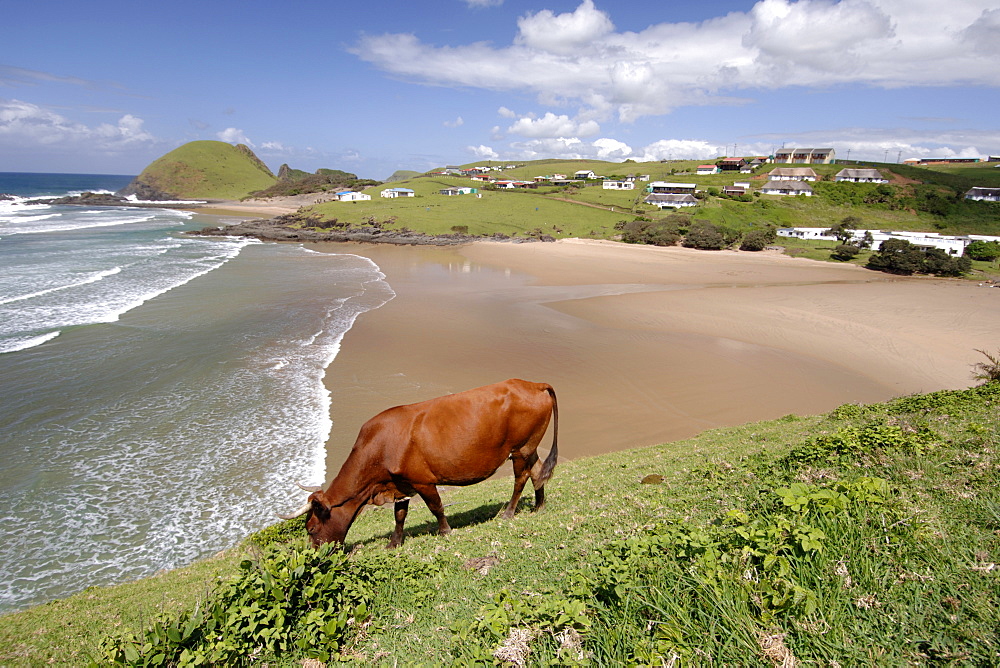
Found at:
(91, 279)
(15, 344)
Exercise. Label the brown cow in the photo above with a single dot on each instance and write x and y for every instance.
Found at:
(458, 439)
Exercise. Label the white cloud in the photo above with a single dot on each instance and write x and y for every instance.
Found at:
(679, 149)
(24, 124)
(455, 123)
(482, 4)
(580, 59)
(506, 113)
(234, 136)
(551, 125)
(276, 146)
(563, 34)
(483, 152)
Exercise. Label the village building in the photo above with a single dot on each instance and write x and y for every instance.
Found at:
(390, 193)
(952, 244)
(983, 194)
(671, 201)
(805, 156)
(792, 174)
(787, 188)
(704, 170)
(351, 196)
(732, 164)
(618, 185)
(458, 191)
(860, 176)
(584, 174)
(666, 187)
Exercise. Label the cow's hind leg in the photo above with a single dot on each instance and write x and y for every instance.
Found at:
(431, 497)
(400, 513)
(522, 470)
(536, 473)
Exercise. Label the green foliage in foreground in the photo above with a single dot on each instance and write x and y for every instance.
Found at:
(869, 536)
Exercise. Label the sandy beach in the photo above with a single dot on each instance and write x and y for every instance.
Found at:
(646, 345)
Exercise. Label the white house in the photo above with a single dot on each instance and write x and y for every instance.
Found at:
(667, 187)
(820, 156)
(792, 174)
(983, 194)
(397, 192)
(860, 176)
(458, 191)
(618, 185)
(351, 196)
(671, 201)
(953, 245)
(704, 170)
(584, 174)
(787, 188)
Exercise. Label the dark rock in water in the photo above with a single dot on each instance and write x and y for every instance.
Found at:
(144, 191)
(299, 227)
(4, 197)
(86, 199)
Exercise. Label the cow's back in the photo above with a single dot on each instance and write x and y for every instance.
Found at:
(459, 438)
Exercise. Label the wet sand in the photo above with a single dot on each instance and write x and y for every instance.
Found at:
(647, 345)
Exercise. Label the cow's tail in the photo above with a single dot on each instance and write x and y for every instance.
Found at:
(550, 461)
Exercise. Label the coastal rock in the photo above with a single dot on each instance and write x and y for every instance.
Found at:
(4, 197)
(291, 228)
(85, 199)
(144, 191)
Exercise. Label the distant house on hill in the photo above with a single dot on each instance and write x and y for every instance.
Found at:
(704, 170)
(731, 164)
(666, 188)
(860, 176)
(792, 174)
(671, 201)
(734, 190)
(458, 191)
(618, 185)
(584, 174)
(390, 193)
(805, 156)
(983, 194)
(351, 196)
(787, 188)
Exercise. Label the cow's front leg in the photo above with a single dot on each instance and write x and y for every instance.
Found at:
(400, 513)
(430, 496)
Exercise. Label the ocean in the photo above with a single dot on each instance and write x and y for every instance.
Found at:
(160, 394)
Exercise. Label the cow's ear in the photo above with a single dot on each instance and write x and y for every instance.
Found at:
(320, 510)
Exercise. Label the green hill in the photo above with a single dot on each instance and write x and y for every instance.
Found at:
(202, 170)
(866, 536)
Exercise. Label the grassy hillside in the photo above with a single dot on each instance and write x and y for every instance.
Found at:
(915, 199)
(867, 536)
(208, 170)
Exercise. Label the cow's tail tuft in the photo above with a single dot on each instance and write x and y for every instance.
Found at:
(550, 461)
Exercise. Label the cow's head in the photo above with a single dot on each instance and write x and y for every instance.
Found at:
(325, 523)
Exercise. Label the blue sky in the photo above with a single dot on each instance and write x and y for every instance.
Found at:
(372, 87)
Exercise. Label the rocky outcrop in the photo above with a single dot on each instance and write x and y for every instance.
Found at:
(295, 227)
(144, 191)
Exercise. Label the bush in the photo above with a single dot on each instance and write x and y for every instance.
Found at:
(845, 252)
(655, 233)
(757, 240)
(705, 236)
(983, 250)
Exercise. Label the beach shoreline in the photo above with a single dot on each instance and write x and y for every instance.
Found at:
(647, 345)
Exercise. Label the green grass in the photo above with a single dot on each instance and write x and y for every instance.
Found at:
(709, 566)
(209, 170)
(511, 213)
(576, 211)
